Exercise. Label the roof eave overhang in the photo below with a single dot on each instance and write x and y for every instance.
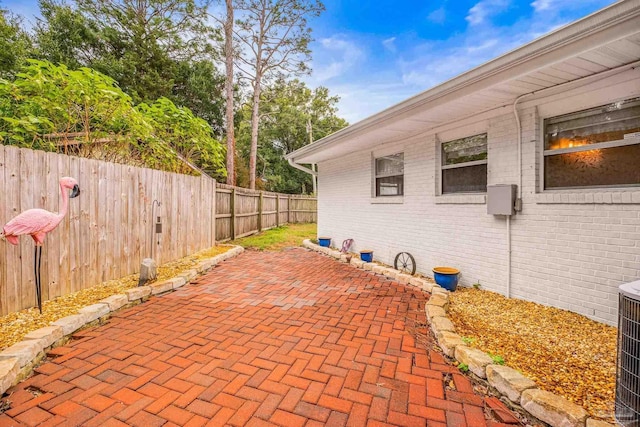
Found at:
(606, 25)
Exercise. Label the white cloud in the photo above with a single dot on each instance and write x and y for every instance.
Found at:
(368, 82)
(438, 16)
(336, 57)
(541, 5)
(482, 10)
(389, 44)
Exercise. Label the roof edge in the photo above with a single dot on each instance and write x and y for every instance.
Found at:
(598, 21)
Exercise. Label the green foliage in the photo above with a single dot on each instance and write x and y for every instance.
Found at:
(497, 359)
(287, 109)
(48, 104)
(463, 367)
(468, 340)
(187, 134)
(152, 49)
(15, 45)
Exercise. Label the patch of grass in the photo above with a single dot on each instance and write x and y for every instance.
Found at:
(463, 367)
(468, 340)
(497, 359)
(278, 238)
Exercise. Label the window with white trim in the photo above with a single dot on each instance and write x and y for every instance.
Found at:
(464, 165)
(389, 175)
(599, 147)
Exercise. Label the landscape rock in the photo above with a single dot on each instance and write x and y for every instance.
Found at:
(188, 275)
(358, 263)
(24, 351)
(161, 287)
(216, 260)
(70, 324)
(417, 281)
(434, 311)
(439, 324)
(553, 409)
(140, 292)
(475, 359)
(116, 302)
(508, 381)
(148, 271)
(448, 341)
(438, 290)
(439, 300)
(403, 278)
(204, 265)
(345, 258)
(177, 282)
(48, 335)
(95, 311)
(9, 369)
(379, 269)
(592, 422)
(369, 266)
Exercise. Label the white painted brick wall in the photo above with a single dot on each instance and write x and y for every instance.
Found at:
(571, 251)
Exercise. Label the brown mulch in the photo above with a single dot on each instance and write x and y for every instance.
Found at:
(14, 326)
(563, 352)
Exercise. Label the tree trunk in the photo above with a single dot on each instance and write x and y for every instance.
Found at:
(228, 52)
(255, 118)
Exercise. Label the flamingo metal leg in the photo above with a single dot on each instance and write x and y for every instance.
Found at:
(37, 261)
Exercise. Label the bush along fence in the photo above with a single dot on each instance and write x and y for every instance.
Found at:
(112, 225)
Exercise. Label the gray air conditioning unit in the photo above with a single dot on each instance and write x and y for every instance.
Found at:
(628, 372)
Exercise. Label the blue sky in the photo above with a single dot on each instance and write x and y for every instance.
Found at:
(374, 54)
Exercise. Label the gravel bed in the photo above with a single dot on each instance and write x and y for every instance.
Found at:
(563, 352)
(14, 326)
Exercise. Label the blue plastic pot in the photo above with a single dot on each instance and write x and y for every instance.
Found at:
(366, 256)
(446, 277)
(324, 241)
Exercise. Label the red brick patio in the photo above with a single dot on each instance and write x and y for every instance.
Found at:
(266, 339)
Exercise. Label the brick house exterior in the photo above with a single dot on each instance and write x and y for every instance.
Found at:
(571, 246)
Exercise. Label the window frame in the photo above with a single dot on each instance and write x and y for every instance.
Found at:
(444, 167)
(634, 140)
(377, 176)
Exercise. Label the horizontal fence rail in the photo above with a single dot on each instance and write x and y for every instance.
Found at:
(241, 212)
(111, 226)
(108, 229)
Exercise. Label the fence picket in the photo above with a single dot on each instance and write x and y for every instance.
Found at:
(111, 226)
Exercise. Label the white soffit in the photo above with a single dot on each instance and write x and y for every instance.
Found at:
(606, 40)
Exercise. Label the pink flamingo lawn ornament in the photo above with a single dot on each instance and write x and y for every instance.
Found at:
(38, 223)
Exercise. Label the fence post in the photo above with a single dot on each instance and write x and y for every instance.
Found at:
(233, 213)
(277, 209)
(260, 212)
(289, 209)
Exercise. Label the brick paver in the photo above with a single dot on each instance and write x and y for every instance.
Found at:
(287, 338)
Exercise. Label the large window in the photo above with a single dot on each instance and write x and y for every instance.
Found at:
(464, 165)
(599, 147)
(390, 175)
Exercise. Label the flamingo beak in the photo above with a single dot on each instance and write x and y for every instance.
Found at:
(75, 192)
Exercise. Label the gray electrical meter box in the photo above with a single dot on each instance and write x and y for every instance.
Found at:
(501, 199)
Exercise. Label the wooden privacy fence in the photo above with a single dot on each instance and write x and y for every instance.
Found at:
(241, 212)
(108, 229)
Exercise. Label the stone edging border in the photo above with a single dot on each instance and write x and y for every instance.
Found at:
(520, 390)
(18, 361)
